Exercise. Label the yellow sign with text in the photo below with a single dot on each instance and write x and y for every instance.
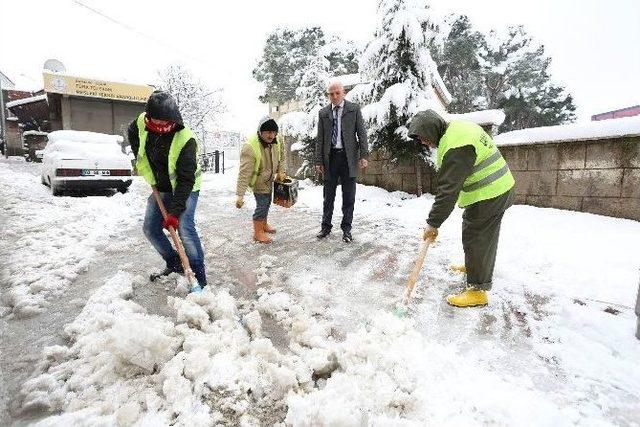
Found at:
(79, 86)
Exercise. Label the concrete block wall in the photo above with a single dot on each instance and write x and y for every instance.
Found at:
(600, 176)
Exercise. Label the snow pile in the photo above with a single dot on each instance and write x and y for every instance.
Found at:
(389, 374)
(602, 129)
(213, 366)
(483, 117)
(54, 239)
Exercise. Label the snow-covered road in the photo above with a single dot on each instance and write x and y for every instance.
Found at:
(300, 331)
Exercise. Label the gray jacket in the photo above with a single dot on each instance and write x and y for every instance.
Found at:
(354, 137)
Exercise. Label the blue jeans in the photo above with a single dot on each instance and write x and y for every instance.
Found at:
(263, 202)
(186, 229)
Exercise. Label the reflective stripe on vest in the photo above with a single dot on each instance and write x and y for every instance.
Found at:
(255, 144)
(178, 142)
(490, 176)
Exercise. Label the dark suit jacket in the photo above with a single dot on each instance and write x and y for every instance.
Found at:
(354, 137)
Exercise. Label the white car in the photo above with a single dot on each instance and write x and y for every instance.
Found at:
(77, 160)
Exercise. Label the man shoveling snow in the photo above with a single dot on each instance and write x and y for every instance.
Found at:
(472, 171)
(166, 154)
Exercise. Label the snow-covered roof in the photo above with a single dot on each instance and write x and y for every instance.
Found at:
(441, 87)
(603, 129)
(481, 117)
(24, 101)
(83, 136)
(34, 133)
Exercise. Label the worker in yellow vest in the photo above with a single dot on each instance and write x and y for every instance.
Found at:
(166, 157)
(472, 171)
(261, 163)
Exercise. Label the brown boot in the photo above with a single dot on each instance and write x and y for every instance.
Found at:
(268, 229)
(258, 232)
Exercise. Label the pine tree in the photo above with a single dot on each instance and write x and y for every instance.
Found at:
(285, 53)
(517, 79)
(398, 65)
(508, 72)
(459, 63)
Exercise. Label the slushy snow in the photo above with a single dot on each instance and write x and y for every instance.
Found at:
(554, 347)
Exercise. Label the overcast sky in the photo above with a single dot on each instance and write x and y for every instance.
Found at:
(594, 44)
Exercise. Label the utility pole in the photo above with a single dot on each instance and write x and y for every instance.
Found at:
(3, 122)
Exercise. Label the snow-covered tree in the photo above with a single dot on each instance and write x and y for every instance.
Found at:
(398, 65)
(200, 106)
(517, 79)
(342, 56)
(509, 72)
(459, 60)
(288, 52)
(311, 92)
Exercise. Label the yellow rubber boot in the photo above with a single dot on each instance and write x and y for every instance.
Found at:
(469, 298)
(459, 268)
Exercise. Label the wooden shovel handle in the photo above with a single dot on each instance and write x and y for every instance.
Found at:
(415, 273)
(176, 240)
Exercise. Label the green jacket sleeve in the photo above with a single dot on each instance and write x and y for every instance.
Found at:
(456, 166)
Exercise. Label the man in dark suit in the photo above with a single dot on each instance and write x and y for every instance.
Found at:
(341, 147)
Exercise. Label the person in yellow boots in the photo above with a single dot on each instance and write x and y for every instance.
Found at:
(261, 163)
(472, 171)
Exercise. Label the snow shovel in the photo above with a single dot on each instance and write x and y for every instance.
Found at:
(402, 307)
(193, 283)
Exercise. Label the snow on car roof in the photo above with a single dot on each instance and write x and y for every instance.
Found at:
(84, 136)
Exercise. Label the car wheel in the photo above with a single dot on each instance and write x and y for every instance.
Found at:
(56, 191)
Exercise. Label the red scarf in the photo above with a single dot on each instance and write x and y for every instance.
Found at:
(161, 129)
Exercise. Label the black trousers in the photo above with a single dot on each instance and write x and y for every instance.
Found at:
(338, 171)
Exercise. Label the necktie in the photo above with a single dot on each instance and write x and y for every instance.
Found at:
(334, 132)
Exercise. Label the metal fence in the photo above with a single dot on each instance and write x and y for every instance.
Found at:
(212, 162)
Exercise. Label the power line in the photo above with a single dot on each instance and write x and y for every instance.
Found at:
(140, 33)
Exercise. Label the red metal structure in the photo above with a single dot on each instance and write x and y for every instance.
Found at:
(616, 114)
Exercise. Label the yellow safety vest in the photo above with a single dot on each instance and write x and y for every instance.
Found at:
(180, 139)
(491, 176)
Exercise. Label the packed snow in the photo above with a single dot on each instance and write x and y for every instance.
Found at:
(556, 345)
(42, 259)
(584, 131)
